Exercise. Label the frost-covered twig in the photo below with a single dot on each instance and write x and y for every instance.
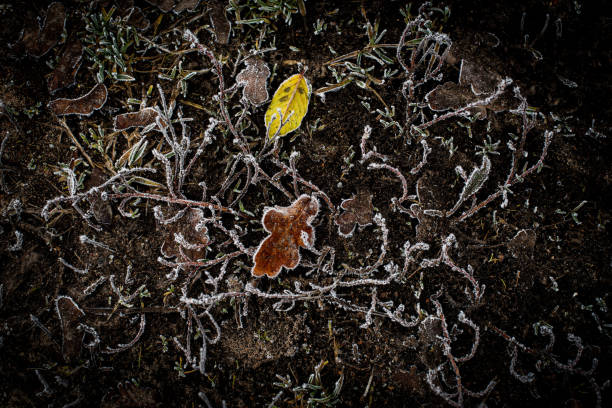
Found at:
(74, 268)
(195, 43)
(456, 397)
(397, 202)
(3, 185)
(18, 242)
(571, 367)
(423, 162)
(501, 88)
(125, 300)
(504, 189)
(95, 285)
(47, 390)
(368, 154)
(126, 346)
(84, 239)
(193, 203)
(97, 190)
(310, 185)
(473, 183)
(477, 292)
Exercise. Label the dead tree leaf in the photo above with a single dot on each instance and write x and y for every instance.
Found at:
(163, 5)
(358, 210)
(176, 6)
(480, 80)
(221, 25)
(254, 79)
(449, 95)
(108, 4)
(67, 66)
(69, 315)
(289, 229)
(183, 5)
(505, 102)
(142, 118)
(38, 41)
(84, 105)
(187, 237)
(475, 83)
(136, 18)
(484, 82)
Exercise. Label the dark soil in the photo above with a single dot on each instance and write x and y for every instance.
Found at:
(545, 258)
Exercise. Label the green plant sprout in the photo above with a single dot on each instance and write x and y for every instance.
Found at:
(108, 41)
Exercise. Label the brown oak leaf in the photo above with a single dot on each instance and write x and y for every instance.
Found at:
(39, 41)
(176, 6)
(478, 78)
(357, 210)
(142, 118)
(289, 229)
(218, 19)
(475, 83)
(136, 18)
(449, 95)
(254, 79)
(66, 69)
(84, 105)
(183, 5)
(163, 5)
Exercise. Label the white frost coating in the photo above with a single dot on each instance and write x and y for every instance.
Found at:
(180, 239)
(304, 238)
(91, 288)
(74, 304)
(84, 239)
(91, 331)
(123, 347)
(74, 268)
(47, 390)
(473, 183)
(18, 242)
(14, 205)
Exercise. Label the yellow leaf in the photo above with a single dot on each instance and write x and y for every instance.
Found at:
(288, 107)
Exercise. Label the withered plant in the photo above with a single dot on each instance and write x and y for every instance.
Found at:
(215, 232)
